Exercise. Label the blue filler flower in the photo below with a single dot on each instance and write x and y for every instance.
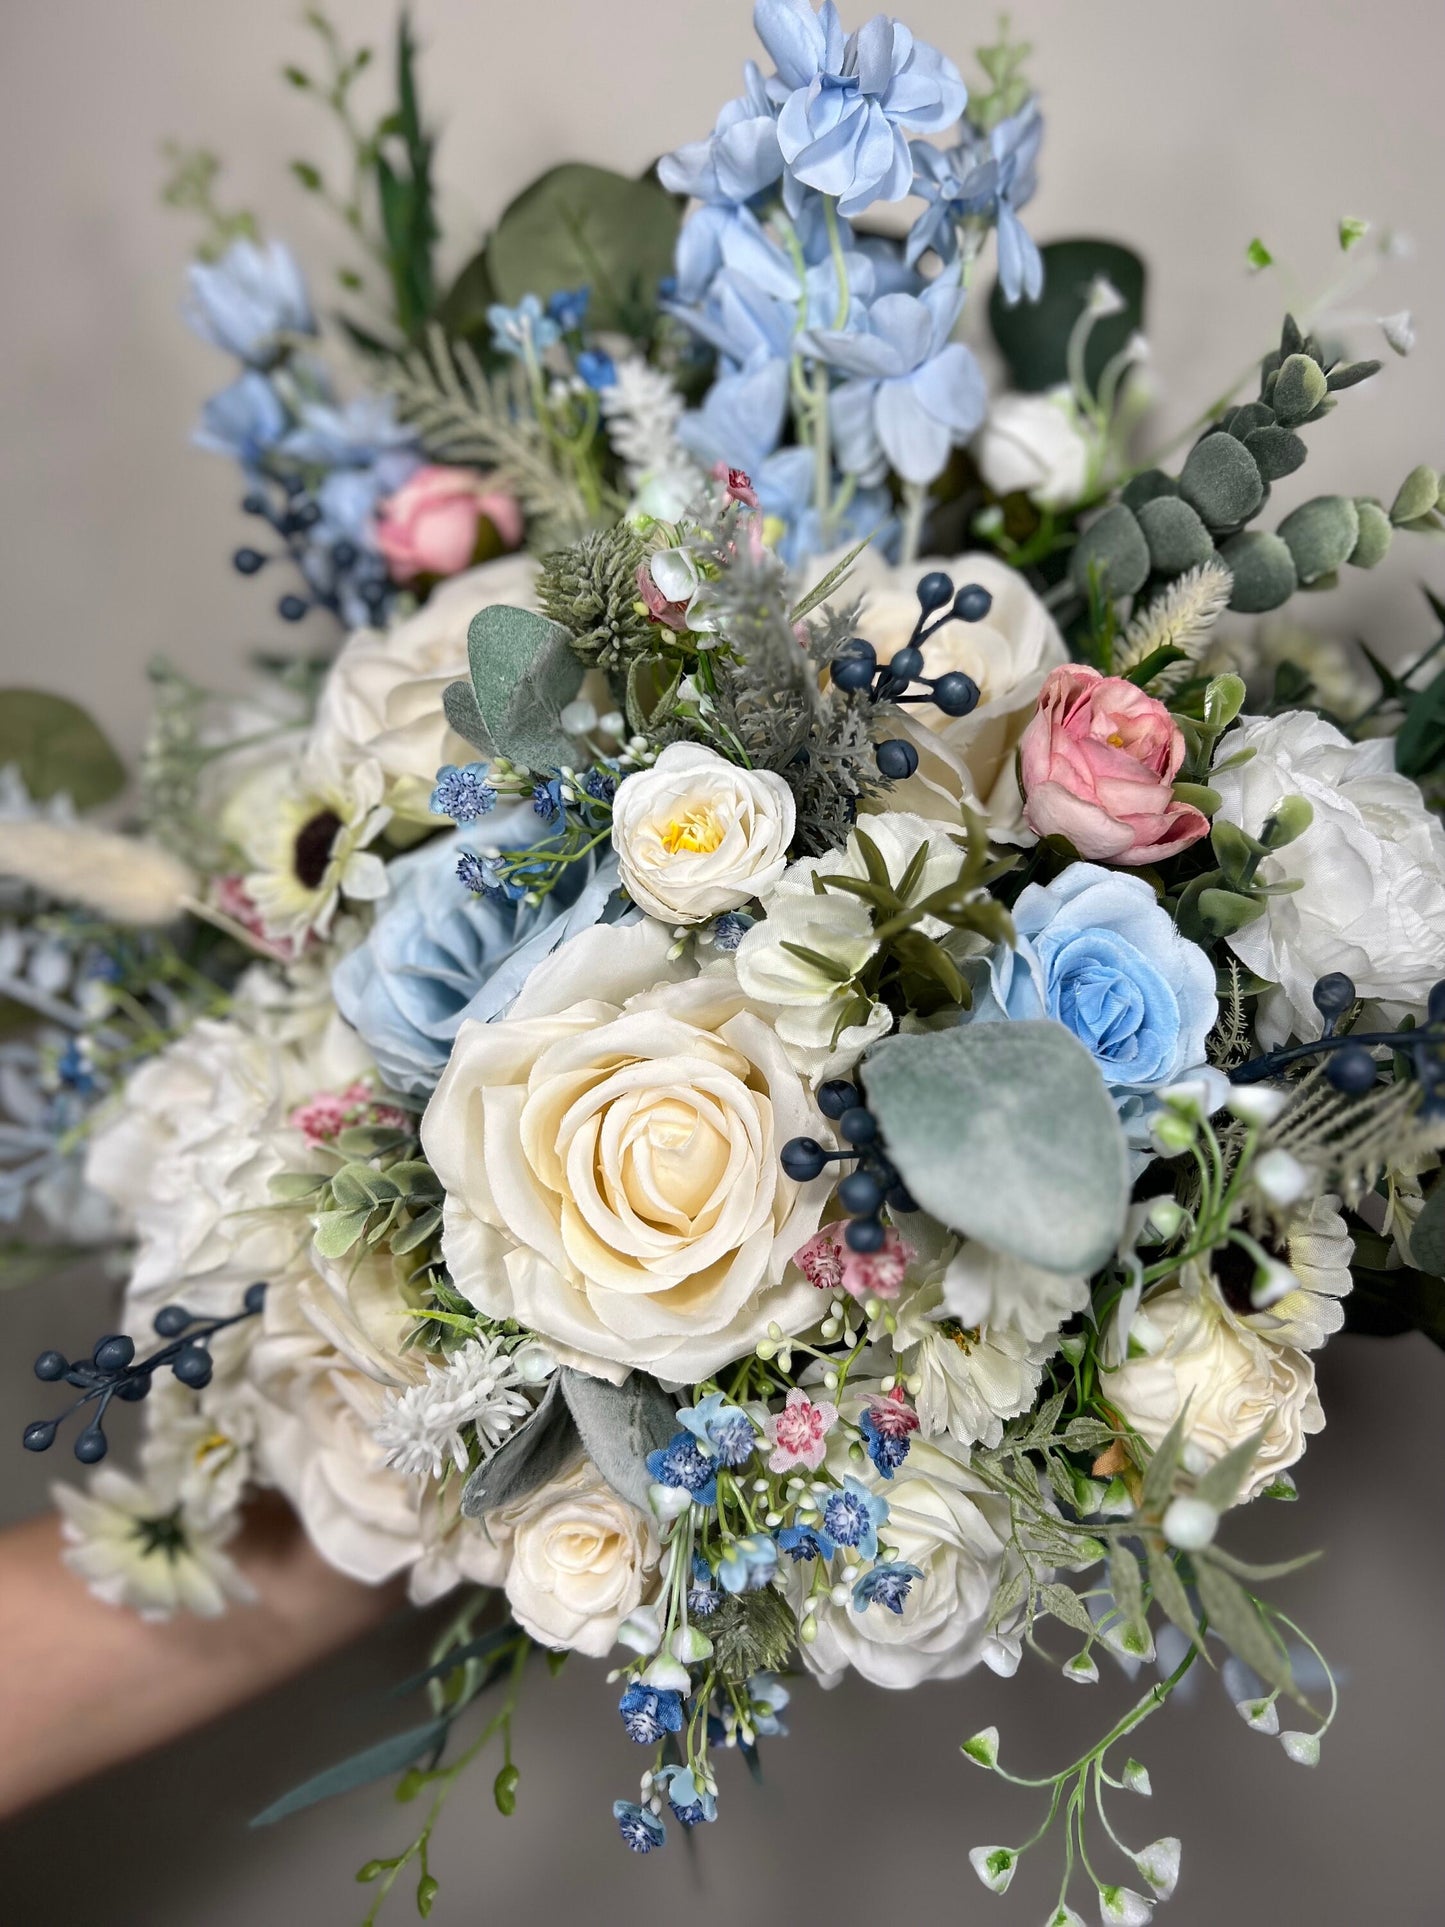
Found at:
(640, 1830)
(648, 1714)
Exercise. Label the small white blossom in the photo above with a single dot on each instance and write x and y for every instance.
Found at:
(1190, 1524)
(994, 1866)
(1122, 1907)
(1159, 1864)
(421, 1428)
(1302, 1748)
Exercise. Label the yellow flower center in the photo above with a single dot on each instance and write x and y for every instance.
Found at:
(1116, 741)
(696, 831)
(964, 1336)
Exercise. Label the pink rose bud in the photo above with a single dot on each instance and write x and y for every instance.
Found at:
(430, 526)
(737, 484)
(1098, 763)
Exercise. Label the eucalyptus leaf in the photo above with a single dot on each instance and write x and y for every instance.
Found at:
(377, 1762)
(1235, 1617)
(459, 706)
(1006, 1133)
(619, 1425)
(58, 748)
(535, 1453)
(1034, 336)
(581, 226)
(524, 673)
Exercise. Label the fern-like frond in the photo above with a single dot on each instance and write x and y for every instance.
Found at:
(1181, 618)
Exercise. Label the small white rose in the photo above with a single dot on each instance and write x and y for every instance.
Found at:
(1034, 445)
(696, 835)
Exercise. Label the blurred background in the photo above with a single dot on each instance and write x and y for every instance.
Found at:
(1183, 131)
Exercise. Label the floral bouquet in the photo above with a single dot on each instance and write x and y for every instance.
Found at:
(780, 1064)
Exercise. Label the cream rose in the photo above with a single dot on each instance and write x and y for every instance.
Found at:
(1233, 1381)
(965, 759)
(578, 1560)
(609, 1152)
(942, 1520)
(1034, 445)
(1371, 865)
(383, 698)
(696, 835)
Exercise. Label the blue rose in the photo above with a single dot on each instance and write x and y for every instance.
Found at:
(436, 955)
(1098, 953)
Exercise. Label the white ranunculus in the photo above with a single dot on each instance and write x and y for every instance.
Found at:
(965, 759)
(1233, 1381)
(1033, 444)
(578, 1559)
(382, 700)
(1372, 864)
(945, 1522)
(609, 1152)
(696, 835)
(188, 1150)
(973, 1377)
(986, 1287)
(321, 1406)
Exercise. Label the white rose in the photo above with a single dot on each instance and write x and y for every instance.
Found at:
(188, 1150)
(696, 835)
(383, 697)
(609, 1152)
(965, 758)
(1234, 1382)
(578, 1558)
(945, 1522)
(1372, 864)
(1032, 445)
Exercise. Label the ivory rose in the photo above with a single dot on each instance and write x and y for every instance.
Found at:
(382, 701)
(696, 835)
(1098, 763)
(964, 759)
(1034, 445)
(609, 1151)
(430, 526)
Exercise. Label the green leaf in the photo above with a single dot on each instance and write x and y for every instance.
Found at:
(459, 706)
(1235, 1617)
(417, 1232)
(1061, 1602)
(1427, 1235)
(652, 685)
(583, 226)
(1420, 745)
(1221, 481)
(1034, 336)
(535, 1453)
(338, 1231)
(619, 1425)
(1159, 1473)
(1258, 255)
(462, 311)
(1352, 229)
(58, 748)
(1006, 1133)
(820, 591)
(1386, 1304)
(1170, 1596)
(375, 1763)
(1220, 1485)
(1114, 547)
(504, 1790)
(523, 674)
(1126, 1583)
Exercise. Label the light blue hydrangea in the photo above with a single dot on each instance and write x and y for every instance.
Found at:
(1100, 954)
(436, 957)
(852, 99)
(249, 301)
(911, 392)
(990, 176)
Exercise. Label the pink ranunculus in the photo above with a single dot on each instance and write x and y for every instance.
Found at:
(1098, 763)
(430, 525)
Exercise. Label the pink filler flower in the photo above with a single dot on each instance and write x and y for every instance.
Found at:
(799, 1433)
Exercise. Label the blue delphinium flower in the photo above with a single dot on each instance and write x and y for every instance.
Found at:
(640, 1830)
(737, 163)
(767, 1696)
(648, 1714)
(685, 1467)
(887, 1448)
(1098, 952)
(357, 435)
(597, 369)
(991, 175)
(462, 794)
(523, 330)
(725, 1433)
(691, 1804)
(249, 301)
(806, 1542)
(850, 99)
(748, 1563)
(246, 421)
(435, 957)
(568, 307)
(886, 1585)
(852, 1517)
(911, 392)
(703, 1596)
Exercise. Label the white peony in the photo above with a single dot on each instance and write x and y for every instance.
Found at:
(986, 1287)
(188, 1150)
(945, 1522)
(696, 835)
(382, 701)
(965, 759)
(609, 1152)
(1033, 445)
(1232, 1380)
(578, 1560)
(1372, 865)
(972, 1377)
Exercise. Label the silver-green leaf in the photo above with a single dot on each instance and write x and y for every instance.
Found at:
(524, 673)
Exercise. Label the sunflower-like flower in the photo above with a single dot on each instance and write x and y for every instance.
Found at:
(303, 832)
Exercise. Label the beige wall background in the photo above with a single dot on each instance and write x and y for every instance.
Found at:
(1182, 129)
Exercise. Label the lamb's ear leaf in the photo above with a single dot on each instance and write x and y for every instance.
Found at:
(1006, 1132)
(524, 673)
(535, 1453)
(619, 1426)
